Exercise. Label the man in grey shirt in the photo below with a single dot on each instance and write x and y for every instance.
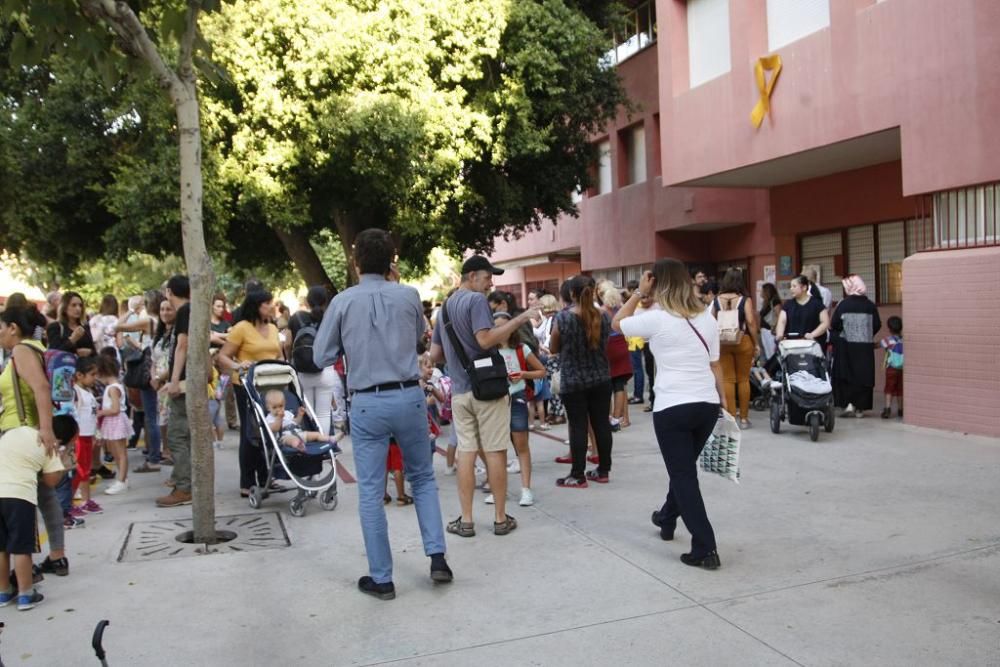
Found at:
(376, 325)
(479, 424)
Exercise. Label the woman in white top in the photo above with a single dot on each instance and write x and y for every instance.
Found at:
(684, 340)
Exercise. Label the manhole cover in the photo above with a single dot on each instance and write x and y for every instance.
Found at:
(153, 540)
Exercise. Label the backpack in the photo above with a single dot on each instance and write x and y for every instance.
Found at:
(894, 353)
(730, 328)
(302, 349)
(60, 370)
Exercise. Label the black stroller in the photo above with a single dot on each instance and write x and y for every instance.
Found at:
(803, 394)
(308, 471)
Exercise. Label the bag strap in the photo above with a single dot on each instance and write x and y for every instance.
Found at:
(453, 337)
(698, 334)
(520, 357)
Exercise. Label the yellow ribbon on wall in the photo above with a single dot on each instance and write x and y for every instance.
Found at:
(763, 106)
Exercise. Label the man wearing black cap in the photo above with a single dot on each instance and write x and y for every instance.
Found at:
(479, 424)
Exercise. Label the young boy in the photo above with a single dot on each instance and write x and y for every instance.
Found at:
(22, 458)
(893, 346)
(86, 419)
(289, 427)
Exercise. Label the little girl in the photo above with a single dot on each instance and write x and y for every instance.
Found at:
(115, 427)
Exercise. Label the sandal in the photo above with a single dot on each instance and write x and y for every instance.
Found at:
(386, 499)
(564, 459)
(594, 458)
(147, 467)
(462, 529)
(404, 500)
(571, 482)
(506, 526)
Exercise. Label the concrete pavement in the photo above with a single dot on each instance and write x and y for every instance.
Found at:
(880, 544)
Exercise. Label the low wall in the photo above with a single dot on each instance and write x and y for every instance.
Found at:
(951, 328)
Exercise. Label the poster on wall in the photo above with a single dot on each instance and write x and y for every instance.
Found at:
(770, 275)
(785, 265)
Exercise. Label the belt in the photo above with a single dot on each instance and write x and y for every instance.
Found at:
(388, 386)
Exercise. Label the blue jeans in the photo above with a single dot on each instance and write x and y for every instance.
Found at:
(151, 413)
(638, 379)
(375, 417)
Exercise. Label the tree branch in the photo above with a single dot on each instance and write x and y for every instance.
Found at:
(123, 21)
(185, 63)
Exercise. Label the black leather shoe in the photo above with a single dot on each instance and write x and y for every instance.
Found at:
(385, 591)
(709, 561)
(666, 531)
(440, 572)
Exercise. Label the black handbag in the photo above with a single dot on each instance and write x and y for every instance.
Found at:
(138, 370)
(487, 372)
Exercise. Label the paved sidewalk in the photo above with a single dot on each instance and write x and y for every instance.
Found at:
(878, 545)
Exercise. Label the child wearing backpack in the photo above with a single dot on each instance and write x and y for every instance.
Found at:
(116, 427)
(893, 346)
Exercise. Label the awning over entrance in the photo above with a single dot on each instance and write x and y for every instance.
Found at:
(864, 151)
(568, 255)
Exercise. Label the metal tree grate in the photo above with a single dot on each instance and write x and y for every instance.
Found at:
(154, 540)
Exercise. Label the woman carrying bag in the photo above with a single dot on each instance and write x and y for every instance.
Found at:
(684, 340)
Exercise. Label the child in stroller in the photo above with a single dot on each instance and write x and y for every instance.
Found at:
(288, 427)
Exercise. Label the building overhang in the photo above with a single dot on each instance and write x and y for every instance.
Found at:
(562, 256)
(856, 153)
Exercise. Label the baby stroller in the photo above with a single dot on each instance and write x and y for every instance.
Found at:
(306, 470)
(803, 394)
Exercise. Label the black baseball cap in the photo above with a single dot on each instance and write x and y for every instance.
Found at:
(480, 263)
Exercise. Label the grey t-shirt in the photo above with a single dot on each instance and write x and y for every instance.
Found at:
(468, 313)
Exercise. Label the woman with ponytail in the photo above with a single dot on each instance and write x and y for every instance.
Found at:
(580, 336)
(317, 386)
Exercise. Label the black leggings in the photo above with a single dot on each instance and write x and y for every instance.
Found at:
(253, 467)
(681, 432)
(593, 406)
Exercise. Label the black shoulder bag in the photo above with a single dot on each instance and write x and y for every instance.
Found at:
(487, 373)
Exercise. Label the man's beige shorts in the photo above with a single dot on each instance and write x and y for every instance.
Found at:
(483, 424)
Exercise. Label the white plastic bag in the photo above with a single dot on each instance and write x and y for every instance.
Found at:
(721, 454)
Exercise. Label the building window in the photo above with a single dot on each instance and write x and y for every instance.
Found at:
(633, 140)
(791, 20)
(861, 257)
(967, 217)
(822, 251)
(636, 32)
(604, 167)
(708, 40)
(891, 253)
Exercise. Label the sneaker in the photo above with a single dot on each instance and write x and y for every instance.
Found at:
(570, 482)
(886, 413)
(514, 466)
(69, 522)
(596, 475)
(386, 591)
(174, 499)
(450, 471)
(105, 472)
(78, 495)
(490, 500)
(635, 400)
(29, 600)
(545, 427)
(77, 512)
(527, 498)
(7, 598)
(90, 507)
(440, 572)
(36, 576)
(58, 567)
(616, 425)
(217, 444)
(116, 488)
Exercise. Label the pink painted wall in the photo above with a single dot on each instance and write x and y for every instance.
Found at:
(930, 67)
(950, 325)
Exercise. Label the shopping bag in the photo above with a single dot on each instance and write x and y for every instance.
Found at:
(721, 454)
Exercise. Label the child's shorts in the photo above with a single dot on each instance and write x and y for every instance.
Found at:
(519, 412)
(893, 382)
(18, 527)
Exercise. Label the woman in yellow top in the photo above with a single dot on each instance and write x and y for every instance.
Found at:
(17, 329)
(254, 338)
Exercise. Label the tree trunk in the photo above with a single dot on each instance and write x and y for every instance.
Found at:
(304, 256)
(202, 276)
(348, 230)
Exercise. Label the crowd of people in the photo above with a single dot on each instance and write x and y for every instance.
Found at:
(398, 371)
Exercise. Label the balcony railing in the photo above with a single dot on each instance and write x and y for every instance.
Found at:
(637, 32)
(960, 218)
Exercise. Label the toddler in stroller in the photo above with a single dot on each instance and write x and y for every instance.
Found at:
(288, 427)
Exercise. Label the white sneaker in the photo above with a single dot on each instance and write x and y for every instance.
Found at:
(489, 500)
(514, 466)
(116, 487)
(480, 470)
(527, 498)
(217, 444)
(450, 470)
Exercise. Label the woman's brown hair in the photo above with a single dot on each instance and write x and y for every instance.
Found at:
(673, 289)
(581, 289)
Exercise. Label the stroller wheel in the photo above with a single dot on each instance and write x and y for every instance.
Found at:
(829, 419)
(328, 499)
(814, 427)
(297, 508)
(256, 497)
(775, 417)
